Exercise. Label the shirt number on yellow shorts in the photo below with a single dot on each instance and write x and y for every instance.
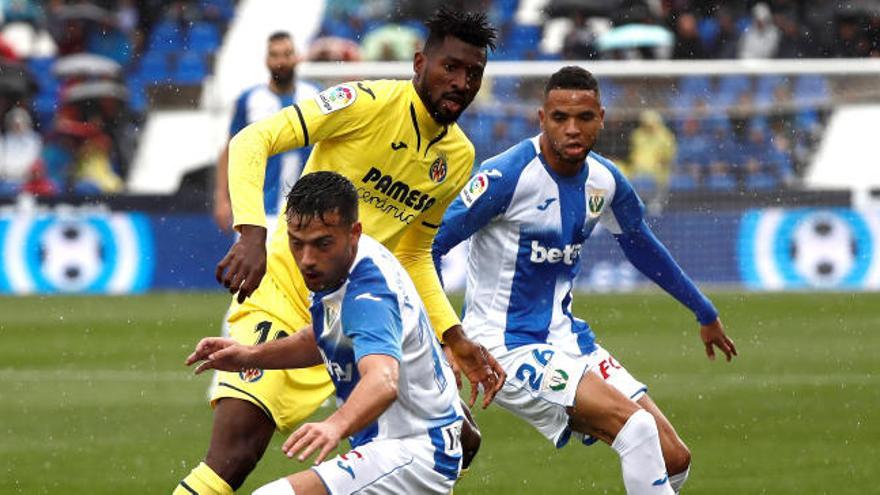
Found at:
(263, 328)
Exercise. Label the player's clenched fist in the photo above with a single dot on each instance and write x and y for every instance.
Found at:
(243, 267)
(220, 354)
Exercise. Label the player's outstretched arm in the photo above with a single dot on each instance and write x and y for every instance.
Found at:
(374, 393)
(653, 260)
(296, 351)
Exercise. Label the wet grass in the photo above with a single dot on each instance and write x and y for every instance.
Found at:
(94, 398)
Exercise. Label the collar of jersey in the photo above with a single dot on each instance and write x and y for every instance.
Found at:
(428, 127)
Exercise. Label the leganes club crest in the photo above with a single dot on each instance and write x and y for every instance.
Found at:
(596, 202)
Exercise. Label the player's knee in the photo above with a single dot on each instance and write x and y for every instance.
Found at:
(471, 438)
(234, 464)
(677, 458)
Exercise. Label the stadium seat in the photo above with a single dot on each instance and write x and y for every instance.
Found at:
(166, 36)
(708, 30)
(203, 37)
(645, 185)
(154, 67)
(682, 182)
(191, 69)
(505, 88)
(761, 182)
(720, 182)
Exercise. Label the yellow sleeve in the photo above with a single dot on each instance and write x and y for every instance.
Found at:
(335, 113)
(414, 253)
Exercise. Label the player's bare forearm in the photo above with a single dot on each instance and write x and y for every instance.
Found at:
(299, 350)
(221, 174)
(375, 392)
(222, 206)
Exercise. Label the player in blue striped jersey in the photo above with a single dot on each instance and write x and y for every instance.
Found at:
(528, 212)
(256, 103)
(398, 402)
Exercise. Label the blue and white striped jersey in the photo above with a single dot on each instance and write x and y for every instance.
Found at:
(283, 169)
(527, 225)
(378, 311)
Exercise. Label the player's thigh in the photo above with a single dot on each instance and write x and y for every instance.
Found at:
(541, 383)
(286, 396)
(600, 410)
(603, 364)
(391, 466)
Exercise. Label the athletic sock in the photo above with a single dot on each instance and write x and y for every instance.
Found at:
(278, 487)
(677, 480)
(641, 458)
(202, 481)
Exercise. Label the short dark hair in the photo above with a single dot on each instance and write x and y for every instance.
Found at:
(279, 35)
(319, 193)
(572, 77)
(471, 27)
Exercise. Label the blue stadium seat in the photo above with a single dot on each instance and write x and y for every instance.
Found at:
(336, 27)
(690, 89)
(166, 36)
(682, 182)
(731, 87)
(812, 86)
(203, 37)
(769, 83)
(137, 93)
(645, 185)
(505, 87)
(708, 29)
(720, 182)
(761, 182)
(522, 37)
(191, 69)
(41, 66)
(154, 67)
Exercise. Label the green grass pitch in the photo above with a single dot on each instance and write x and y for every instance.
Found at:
(94, 397)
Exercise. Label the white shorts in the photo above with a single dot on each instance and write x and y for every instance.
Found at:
(542, 381)
(427, 464)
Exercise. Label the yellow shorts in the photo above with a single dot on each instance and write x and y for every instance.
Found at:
(286, 396)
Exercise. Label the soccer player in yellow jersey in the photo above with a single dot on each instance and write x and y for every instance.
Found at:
(398, 143)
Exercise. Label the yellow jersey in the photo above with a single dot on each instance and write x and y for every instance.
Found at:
(406, 168)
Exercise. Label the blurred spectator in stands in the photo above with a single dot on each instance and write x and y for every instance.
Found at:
(26, 11)
(652, 150)
(792, 42)
(723, 154)
(694, 150)
(850, 40)
(93, 173)
(580, 42)
(20, 149)
(687, 39)
(127, 16)
(391, 42)
(727, 41)
(334, 49)
(741, 114)
(761, 37)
